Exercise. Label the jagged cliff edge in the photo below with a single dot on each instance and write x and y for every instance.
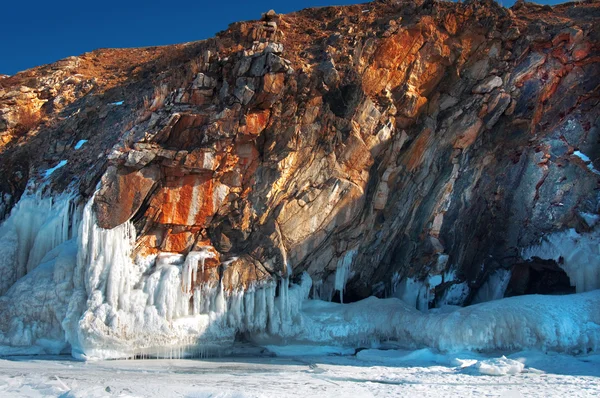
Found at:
(438, 153)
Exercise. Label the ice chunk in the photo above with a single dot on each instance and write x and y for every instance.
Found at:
(80, 143)
(587, 161)
(499, 366)
(49, 172)
(415, 292)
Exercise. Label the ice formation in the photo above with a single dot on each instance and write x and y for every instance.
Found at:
(35, 226)
(190, 267)
(499, 366)
(416, 293)
(145, 307)
(586, 159)
(49, 172)
(494, 287)
(342, 272)
(80, 144)
(568, 323)
(578, 254)
(69, 285)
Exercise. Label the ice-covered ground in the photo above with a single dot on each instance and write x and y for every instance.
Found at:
(371, 373)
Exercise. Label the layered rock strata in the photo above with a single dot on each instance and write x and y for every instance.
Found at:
(422, 150)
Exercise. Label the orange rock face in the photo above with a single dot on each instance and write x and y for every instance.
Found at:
(128, 189)
(190, 200)
(409, 139)
(256, 122)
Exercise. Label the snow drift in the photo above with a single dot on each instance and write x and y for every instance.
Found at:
(71, 286)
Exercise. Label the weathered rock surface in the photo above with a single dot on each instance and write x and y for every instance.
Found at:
(412, 140)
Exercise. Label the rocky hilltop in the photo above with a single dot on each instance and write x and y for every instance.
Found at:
(439, 152)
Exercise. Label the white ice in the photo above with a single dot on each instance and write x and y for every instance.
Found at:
(499, 366)
(86, 293)
(586, 159)
(35, 226)
(558, 323)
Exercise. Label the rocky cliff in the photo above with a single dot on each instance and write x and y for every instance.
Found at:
(442, 153)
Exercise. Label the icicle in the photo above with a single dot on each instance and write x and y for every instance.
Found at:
(580, 255)
(190, 267)
(342, 272)
(105, 255)
(220, 302)
(494, 287)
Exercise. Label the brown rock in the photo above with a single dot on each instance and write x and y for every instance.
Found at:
(256, 122)
(469, 135)
(177, 242)
(123, 193)
(189, 200)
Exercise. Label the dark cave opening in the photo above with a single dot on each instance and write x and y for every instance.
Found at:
(538, 277)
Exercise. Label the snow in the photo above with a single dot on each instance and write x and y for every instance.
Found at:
(49, 172)
(557, 323)
(578, 254)
(586, 159)
(79, 144)
(499, 366)
(543, 375)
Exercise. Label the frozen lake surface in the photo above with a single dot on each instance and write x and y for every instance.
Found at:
(371, 373)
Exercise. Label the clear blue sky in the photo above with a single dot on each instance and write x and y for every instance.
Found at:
(38, 32)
